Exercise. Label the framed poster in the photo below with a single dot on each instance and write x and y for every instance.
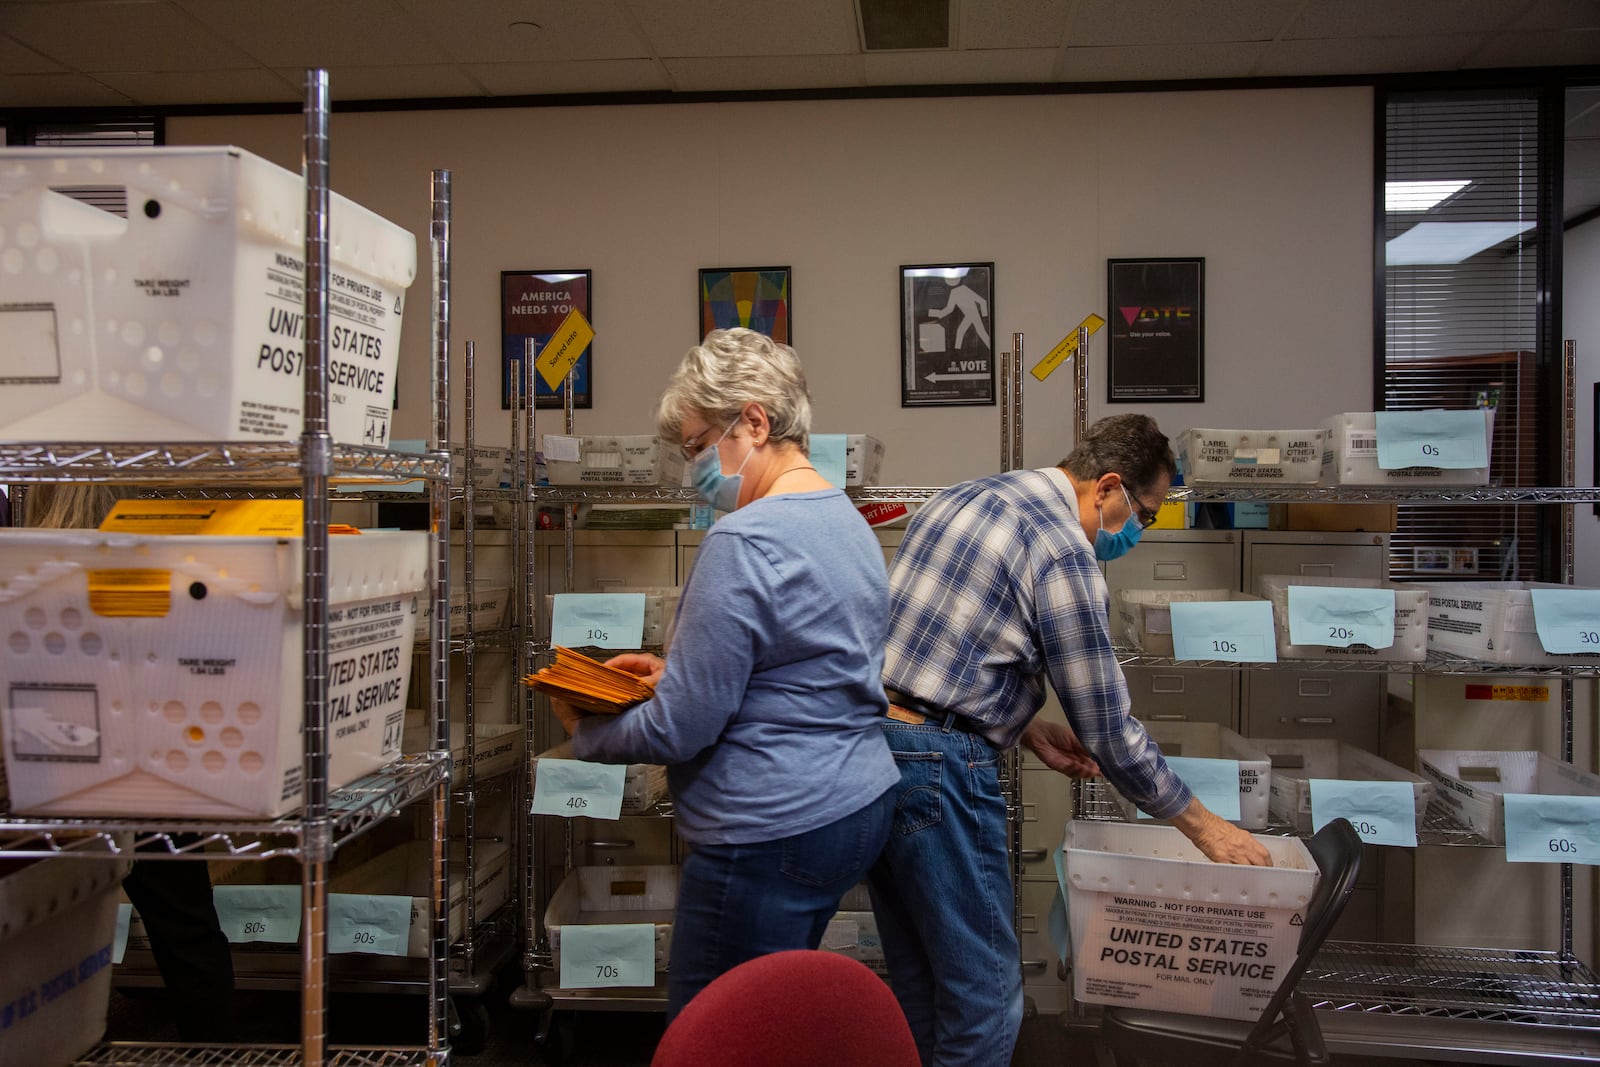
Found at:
(533, 303)
(947, 334)
(1157, 347)
(757, 298)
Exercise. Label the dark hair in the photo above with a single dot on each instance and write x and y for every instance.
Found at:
(1130, 445)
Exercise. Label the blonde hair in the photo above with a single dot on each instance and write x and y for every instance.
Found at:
(69, 505)
(733, 368)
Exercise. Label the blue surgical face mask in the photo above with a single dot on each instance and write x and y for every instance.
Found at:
(1110, 546)
(719, 490)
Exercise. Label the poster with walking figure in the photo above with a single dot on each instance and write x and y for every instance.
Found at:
(947, 334)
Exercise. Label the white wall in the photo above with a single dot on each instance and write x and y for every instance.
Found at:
(1272, 187)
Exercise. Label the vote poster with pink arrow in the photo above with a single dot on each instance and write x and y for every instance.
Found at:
(1157, 346)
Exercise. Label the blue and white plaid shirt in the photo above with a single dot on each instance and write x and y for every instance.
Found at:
(994, 586)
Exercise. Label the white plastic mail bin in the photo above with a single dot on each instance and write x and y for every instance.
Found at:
(1296, 761)
(1250, 457)
(407, 870)
(1145, 615)
(863, 459)
(1209, 740)
(57, 920)
(1410, 619)
(612, 459)
(855, 934)
(184, 320)
(1472, 784)
(1350, 457)
(498, 749)
(1154, 924)
(1491, 621)
(606, 896)
(161, 676)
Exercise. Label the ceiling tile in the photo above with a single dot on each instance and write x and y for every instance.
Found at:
(1561, 15)
(1539, 48)
(18, 58)
(322, 33)
(595, 76)
(1367, 56)
(763, 73)
(747, 27)
(94, 36)
(1386, 18)
(1161, 62)
(1013, 24)
(962, 68)
(57, 90)
(1186, 22)
(393, 83)
(483, 31)
(256, 86)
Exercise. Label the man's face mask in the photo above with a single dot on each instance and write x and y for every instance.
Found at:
(1110, 546)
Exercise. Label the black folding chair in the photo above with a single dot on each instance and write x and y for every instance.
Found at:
(1287, 1031)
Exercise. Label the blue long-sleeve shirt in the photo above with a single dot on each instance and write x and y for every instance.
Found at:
(995, 589)
(768, 713)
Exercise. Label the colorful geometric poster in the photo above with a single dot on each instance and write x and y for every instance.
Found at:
(757, 298)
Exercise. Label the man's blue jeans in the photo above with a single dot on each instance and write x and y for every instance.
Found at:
(943, 898)
(737, 902)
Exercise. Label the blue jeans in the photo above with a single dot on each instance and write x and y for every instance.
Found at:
(737, 902)
(943, 898)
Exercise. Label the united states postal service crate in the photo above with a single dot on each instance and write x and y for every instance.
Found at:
(498, 749)
(1209, 740)
(855, 934)
(407, 870)
(1145, 615)
(1472, 784)
(57, 921)
(863, 459)
(489, 606)
(643, 784)
(1154, 924)
(1491, 621)
(184, 319)
(1350, 457)
(612, 459)
(607, 896)
(1410, 619)
(1250, 457)
(159, 676)
(1296, 761)
(491, 467)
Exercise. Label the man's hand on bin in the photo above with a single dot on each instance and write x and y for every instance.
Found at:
(1220, 840)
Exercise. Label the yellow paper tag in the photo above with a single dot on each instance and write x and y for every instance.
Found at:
(1069, 344)
(219, 518)
(566, 345)
(130, 593)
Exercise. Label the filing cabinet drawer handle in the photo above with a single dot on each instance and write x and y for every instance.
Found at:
(611, 844)
(1314, 720)
(1168, 718)
(1033, 855)
(1035, 966)
(1171, 571)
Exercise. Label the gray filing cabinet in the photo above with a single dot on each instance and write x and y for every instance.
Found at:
(1171, 559)
(607, 559)
(1291, 704)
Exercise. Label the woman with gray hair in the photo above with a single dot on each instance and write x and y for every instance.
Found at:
(766, 711)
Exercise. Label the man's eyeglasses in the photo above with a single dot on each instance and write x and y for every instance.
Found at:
(1144, 515)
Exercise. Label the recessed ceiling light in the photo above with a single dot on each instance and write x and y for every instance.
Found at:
(1448, 242)
(1418, 196)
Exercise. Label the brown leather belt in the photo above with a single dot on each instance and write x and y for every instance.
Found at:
(913, 712)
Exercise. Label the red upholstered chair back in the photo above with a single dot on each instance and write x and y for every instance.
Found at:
(791, 1009)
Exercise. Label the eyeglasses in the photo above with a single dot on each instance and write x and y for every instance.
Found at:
(697, 444)
(1143, 515)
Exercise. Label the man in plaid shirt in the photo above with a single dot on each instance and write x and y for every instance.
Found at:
(995, 588)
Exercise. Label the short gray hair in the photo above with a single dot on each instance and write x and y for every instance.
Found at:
(1132, 446)
(732, 368)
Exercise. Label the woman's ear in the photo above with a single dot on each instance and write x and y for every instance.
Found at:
(756, 416)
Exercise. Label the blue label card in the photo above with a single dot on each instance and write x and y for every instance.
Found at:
(1341, 616)
(1550, 828)
(571, 788)
(1383, 813)
(258, 913)
(1448, 439)
(119, 940)
(1568, 620)
(1214, 781)
(1235, 630)
(380, 925)
(607, 620)
(827, 455)
(593, 957)
(1060, 935)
